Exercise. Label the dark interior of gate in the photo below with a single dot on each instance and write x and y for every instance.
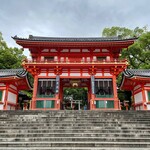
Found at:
(75, 94)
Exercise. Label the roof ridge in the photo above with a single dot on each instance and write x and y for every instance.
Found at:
(137, 72)
(20, 72)
(73, 39)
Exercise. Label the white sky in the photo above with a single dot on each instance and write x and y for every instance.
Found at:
(69, 18)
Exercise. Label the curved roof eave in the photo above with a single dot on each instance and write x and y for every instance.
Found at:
(72, 39)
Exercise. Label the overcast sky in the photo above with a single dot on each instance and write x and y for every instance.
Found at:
(82, 18)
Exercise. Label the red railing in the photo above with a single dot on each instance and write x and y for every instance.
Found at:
(74, 61)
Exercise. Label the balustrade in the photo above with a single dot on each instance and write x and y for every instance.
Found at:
(82, 61)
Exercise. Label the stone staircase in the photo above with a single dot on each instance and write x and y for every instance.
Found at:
(74, 130)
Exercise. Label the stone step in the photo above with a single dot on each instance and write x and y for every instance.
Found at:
(71, 148)
(75, 113)
(73, 131)
(59, 120)
(76, 139)
(76, 144)
(56, 123)
(99, 115)
(75, 117)
(87, 130)
(74, 127)
(95, 119)
(22, 135)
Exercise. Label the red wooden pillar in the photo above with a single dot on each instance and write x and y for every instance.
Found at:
(116, 102)
(144, 97)
(133, 100)
(35, 86)
(57, 102)
(89, 97)
(92, 102)
(6, 97)
(92, 92)
(57, 95)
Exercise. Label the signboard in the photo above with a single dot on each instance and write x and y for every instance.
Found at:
(57, 83)
(93, 84)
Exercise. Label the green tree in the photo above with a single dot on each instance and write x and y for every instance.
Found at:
(123, 32)
(77, 93)
(138, 54)
(10, 57)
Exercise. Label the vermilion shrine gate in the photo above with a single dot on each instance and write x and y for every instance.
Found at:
(11, 82)
(138, 82)
(74, 62)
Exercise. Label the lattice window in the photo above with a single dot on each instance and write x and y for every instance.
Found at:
(46, 88)
(148, 93)
(45, 104)
(104, 104)
(1, 94)
(103, 88)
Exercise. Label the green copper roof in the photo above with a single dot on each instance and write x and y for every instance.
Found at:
(129, 73)
(13, 72)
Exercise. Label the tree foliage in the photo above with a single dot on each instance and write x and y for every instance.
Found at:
(77, 93)
(123, 32)
(12, 58)
(138, 53)
(9, 57)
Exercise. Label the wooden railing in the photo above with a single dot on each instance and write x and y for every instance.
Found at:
(29, 61)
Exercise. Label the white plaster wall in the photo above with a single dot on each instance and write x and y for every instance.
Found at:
(97, 50)
(74, 50)
(148, 107)
(2, 84)
(105, 50)
(141, 107)
(1, 106)
(137, 108)
(64, 74)
(74, 74)
(51, 74)
(13, 87)
(138, 97)
(42, 74)
(98, 74)
(12, 108)
(136, 87)
(148, 84)
(85, 50)
(3, 96)
(12, 97)
(65, 50)
(146, 95)
(8, 107)
(45, 50)
(107, 74)
(85, 74)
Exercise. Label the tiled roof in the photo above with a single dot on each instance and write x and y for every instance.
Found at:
(13, 72)
(71, 39)
(129, 73)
